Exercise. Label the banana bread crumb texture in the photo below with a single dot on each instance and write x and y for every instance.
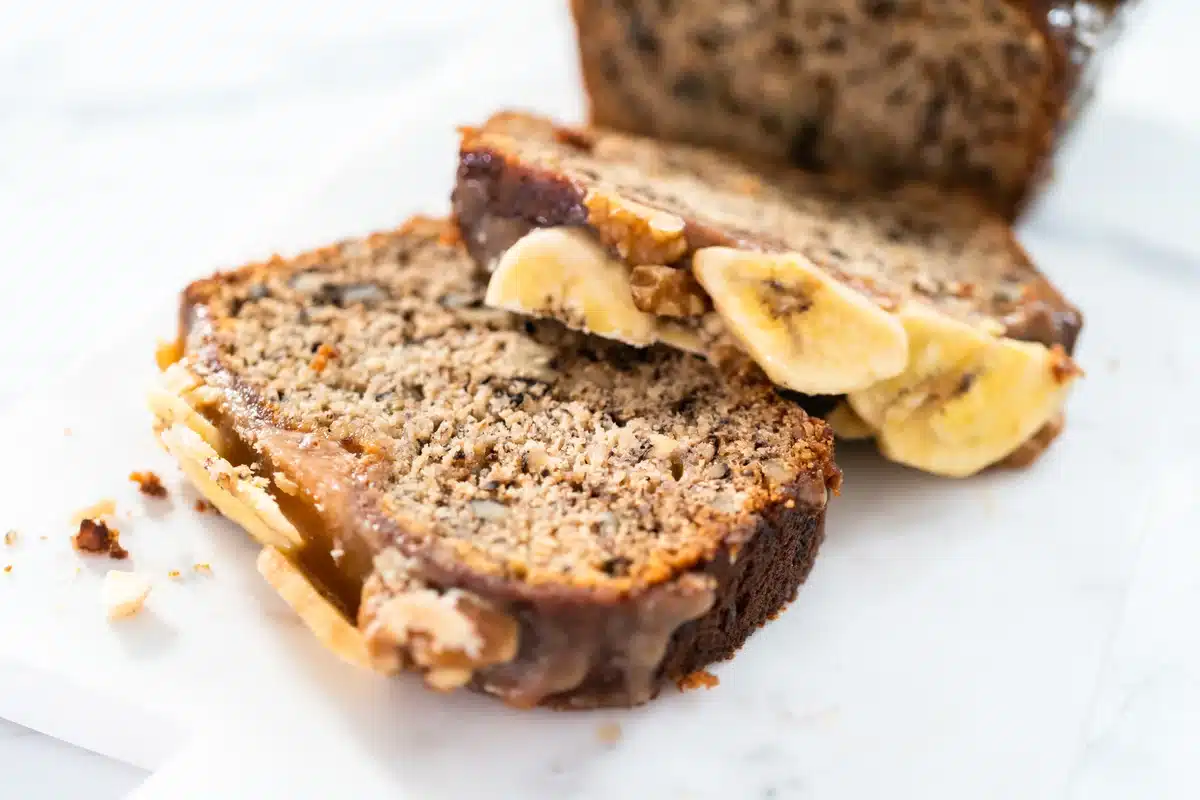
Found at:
(582, 487)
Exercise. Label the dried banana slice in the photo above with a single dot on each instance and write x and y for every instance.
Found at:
(808, 332)
(967, 398)
(565, 274)
(168, 401)
(320, 616)
(241, 498)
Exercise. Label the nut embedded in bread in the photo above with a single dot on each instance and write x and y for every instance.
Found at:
(918, 305)
(970, 93)
(493, 502)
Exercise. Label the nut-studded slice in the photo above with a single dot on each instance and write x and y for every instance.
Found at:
(967, 398)
(564, 274)
(808, 332)
(805, 271)
(499, 504)
(318, 614)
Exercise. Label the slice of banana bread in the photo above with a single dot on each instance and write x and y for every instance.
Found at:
(919, 305)
(963, 93)
(496, 502)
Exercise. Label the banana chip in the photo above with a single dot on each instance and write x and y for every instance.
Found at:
(967, 398)
(808, 332)
(320, 616)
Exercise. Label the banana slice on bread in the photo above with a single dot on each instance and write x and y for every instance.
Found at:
(967, 399)
(937, 393)
(564, 274)
(916, 302)
(808, 332)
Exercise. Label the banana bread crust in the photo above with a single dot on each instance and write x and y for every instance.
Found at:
(581, 644)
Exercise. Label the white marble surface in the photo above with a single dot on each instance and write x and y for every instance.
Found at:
(141, 143)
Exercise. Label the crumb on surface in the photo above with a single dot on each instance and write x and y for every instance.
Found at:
(10, 537)
(173, 574)
(124, 593)
(148, 483)
(700, 679)
(66, 431)
(102, 508)
(201, 506)
(8, 568)
(609, 732)
(203, 568)
(94, 536)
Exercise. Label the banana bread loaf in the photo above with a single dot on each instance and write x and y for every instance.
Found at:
(918, 305)
(493, 501)
(963, 93)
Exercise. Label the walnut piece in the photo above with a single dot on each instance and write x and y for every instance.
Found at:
(667, 291)
(641, 234)
(94, 536)
(149, 484)
(448, 635)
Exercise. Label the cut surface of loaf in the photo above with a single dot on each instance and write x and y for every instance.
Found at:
(963, 93)
(918, 305)
(543, 515)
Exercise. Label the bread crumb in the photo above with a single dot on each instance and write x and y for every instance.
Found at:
(124, 593)
(8, 568)
(700, 679)
(148, 483)
(103, 508)
(609, 732)
(201, 506)
(203, 568)
(10, 537)
(94, 536)
(173, 575)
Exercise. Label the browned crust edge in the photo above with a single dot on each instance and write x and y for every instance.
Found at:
(756, 570)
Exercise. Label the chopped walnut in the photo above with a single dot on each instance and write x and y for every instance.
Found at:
(667, 291)
(96, 537)
(641, 234)
(149, 484)
(448, 635)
